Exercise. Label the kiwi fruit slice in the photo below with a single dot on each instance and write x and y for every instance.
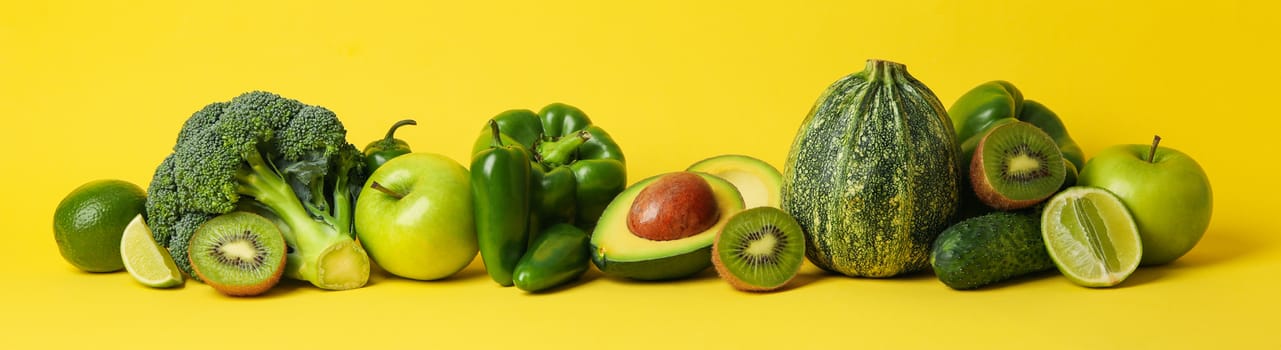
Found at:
(759, 249)
(238, 254)
(1015, 166)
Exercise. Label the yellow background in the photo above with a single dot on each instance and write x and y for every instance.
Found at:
(93, 90)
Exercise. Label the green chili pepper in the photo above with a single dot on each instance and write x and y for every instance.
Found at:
(559, 255)
(576, 168)
(381, 151)
(500, 184)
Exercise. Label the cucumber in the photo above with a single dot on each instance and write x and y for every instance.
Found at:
(989, 249)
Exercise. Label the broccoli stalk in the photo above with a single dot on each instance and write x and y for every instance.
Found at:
(274, 156)
(324, 252)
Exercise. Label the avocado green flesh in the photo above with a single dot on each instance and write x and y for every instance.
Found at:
(616, 251)
(759, 182)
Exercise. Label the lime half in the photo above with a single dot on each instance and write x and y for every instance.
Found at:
(1091, 236)
(146, 261)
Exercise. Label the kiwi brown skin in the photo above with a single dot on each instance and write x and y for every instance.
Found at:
(734, 280)
(987, 192)
(240, 290)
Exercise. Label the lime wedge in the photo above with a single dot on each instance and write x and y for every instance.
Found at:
(146, 261)
(1091, 236)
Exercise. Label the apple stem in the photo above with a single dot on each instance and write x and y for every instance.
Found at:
(391, 133)
(375, 185)
(1156, 139)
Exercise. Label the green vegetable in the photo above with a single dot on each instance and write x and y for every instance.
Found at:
(872, 174)
(381, 151)
(576, 168)
(500, 183)
(998, 102)
(287, 159)
(989, 249)
(558, 256)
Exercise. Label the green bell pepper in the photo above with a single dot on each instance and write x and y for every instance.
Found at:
(576, 167)
(995, 103)
(381, 151)
(992, 103)
(559, 255)
(500, 182)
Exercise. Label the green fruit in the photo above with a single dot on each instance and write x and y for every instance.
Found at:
(1170, 196)
(417, 222)
(89, 222)
(872, 175)
(759, 249)
(238, 253)
(1091, 237)
(758, 181)
(617, 251)
(1015, 166)
(989, 249)
(146, 261)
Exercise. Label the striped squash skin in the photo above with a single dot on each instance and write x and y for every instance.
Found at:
(872, 175)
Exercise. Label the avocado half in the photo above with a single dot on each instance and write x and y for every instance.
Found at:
(759, 182)
(616, 251)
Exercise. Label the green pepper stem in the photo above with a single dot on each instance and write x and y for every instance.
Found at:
(498, 136)
(377, 186)
(391, 133)
(1156, 139)
(558, 152)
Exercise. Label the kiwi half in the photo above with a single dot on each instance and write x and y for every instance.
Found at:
(759, 249)
(238, 254)
(1015, 166)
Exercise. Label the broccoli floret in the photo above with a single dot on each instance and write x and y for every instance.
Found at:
(162, 202)
(291, 159)
(181, 235)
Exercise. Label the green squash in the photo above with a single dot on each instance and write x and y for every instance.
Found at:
(872, 176)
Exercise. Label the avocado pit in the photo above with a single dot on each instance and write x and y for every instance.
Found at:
(676, 206)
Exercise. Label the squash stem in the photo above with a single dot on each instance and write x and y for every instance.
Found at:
(881, 70)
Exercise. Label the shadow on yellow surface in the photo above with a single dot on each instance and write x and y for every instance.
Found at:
(1222, 246)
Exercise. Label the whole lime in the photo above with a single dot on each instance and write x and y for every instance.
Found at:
(88, 223)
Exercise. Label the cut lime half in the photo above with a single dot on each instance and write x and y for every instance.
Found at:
(1091, 236)
(146, 261)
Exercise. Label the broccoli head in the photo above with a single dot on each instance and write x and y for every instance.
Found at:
(291, 160)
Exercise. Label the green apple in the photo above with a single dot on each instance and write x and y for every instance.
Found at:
(1166, 191)
(414, 216)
